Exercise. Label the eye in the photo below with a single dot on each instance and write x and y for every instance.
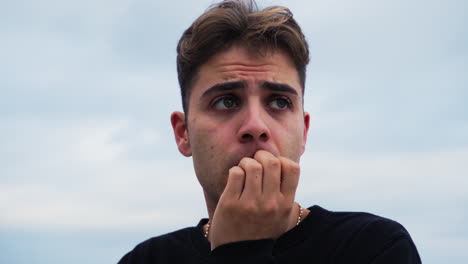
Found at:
(225, 102)
(280, 103)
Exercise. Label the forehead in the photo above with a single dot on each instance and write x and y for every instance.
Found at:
(253, 67)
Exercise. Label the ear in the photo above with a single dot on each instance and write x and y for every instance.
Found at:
(180, 133)
(306, 130)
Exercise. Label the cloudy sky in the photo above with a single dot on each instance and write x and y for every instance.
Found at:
(89, 167)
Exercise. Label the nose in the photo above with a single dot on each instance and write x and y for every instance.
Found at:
(253, 125)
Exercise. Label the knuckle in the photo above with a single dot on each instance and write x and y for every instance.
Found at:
(250, 209)
(271, 209)
(290, 166)
(256, 167)
(295, 169)
(273, 163)
(229, 206)
(261, 153)
(244, 161)
(285, 212)
(249, 164)
(284, 161)
(234, 177)
(235, 172)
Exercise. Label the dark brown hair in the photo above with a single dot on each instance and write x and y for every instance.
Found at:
(238, 21)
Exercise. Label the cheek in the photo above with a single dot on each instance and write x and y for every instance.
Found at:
(210, 140)
(289, 139)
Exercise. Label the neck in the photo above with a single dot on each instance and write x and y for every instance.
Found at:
(210, 205)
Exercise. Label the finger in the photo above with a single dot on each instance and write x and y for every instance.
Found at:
(271, 172)
(290, 171)
(253, 177)
(235, 182)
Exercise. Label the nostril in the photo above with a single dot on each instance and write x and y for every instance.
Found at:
(247, 137)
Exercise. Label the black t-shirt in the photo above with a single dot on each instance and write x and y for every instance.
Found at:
(322, 237)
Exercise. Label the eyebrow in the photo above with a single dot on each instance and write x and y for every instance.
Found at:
(279, 87)
(237, 85)
(226, 86)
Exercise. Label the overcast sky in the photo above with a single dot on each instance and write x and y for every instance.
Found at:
(89, 167)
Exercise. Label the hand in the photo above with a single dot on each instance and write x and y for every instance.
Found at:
(258, 201)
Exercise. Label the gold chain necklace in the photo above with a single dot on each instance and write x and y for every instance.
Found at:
(299, 220)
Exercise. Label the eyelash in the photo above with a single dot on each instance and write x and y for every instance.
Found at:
(283, 98)
(236, 101)
(223, 97)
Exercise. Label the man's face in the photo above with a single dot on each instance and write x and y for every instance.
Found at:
(242, 102)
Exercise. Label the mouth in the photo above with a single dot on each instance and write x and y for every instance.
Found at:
(250, 153)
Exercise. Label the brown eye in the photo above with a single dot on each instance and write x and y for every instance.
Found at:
(280, 103)
(226, 102)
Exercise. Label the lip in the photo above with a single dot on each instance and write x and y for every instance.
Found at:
(250, 150)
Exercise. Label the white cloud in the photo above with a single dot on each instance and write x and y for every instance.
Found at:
(80, 178)
(388, 177)
(88, 86)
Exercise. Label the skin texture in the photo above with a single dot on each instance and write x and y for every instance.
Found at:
(246, 131)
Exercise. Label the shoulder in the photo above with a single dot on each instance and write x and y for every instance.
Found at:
(358, 223)
(160, 246)
(180, 237)
(366, 223)
(366, 237)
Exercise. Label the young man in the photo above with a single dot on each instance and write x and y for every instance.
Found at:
(242, 75)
